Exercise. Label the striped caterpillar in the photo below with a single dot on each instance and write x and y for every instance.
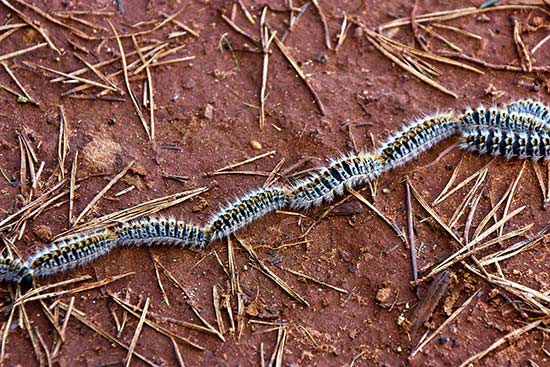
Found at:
(509, 119)
(71, 253)
(417, 138)
(509, 144)
(519, 130)
(331, 181)
(14, 271)
(245, 210)
(169, 231)
(532, 108)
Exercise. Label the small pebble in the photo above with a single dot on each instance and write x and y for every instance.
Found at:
(456, 343)
(22, 99)
(442, 340)
(111, 121)
(255, 145)
(209, 112)
(385, 191)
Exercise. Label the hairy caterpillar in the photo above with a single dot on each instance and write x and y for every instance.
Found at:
(14, 271)
(532, 108)
(331, 181)
(71, 253)
(503, 119)
(509, 144)
(247, 209)
(169, 231)
(520, 130)
(417, 138)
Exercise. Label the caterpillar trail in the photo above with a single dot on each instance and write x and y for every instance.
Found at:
(504, 119)
(71, 253)
(14, 271)
(519, 130)
(532, 108)
(508, 144)
(169, 231)
(331, 181)
(247, 209)
(417, 138)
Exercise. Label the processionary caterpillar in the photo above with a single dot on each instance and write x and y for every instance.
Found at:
(519, 130)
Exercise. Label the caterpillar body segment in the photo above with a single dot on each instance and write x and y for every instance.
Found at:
(417, 138)
(245, 210)
(71, 253)
(14, 271)
(164, 231)
(346, 172)
(508, 144)
(531, 107)
(504, 119)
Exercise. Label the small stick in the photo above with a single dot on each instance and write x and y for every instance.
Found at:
(68, 76)
(12, 75)
(414, 26)
(43, 14)
(30, 22)
(102, 192)
(177, 352)
(505, 339)
(137, 333)
(343, 33)
(266, 40)
(426, 306)
(540, 44)
(182, 26)
(324, 22)
(523, 53)
(410, 230)
(457, 30)
(72, 184)
(150, 90)
(314, 280)
(159, 282)
(441, 38)
(81, 317)
(444, 324)
(239, 30)
(95, 71)
(216, 299)
(393, 226)
(128, 87)
(172, 61)
(21, 52)
(300, 73)
(246, 161)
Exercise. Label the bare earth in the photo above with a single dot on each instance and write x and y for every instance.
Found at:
(206, 117)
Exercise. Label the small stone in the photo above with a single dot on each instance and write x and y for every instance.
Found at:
(111, 121)
(43, 232)
(255, 145)
(190, 84)
(442, 340)
(385, 191)
(383, 295)
(209, 111)
(22, 99)
(456, 343)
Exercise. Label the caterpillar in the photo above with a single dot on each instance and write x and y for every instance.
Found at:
(14, 271)
(533, 108)
(348, 171)
(71, 253)
(509, 119)
(169, 231)
(417, 138)
(509, 144)
(519, 130)
(247, 209)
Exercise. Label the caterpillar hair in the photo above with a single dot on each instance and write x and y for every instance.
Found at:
(14, 271)
(245, 210)
(165, 231)
(417, 138)
(331, 181)
(503, 119)
(509, 144)
(71, 253)
(532, 108)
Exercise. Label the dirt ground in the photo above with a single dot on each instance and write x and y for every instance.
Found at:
(206, 117)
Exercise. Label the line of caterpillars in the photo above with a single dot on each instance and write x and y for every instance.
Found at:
(520, 130)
